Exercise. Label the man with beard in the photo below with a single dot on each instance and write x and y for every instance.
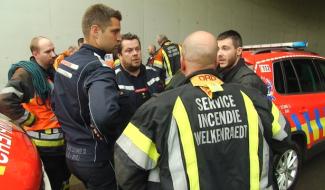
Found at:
(136, 81)
(232, 67)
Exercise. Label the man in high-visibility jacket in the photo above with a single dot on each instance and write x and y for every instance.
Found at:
(167, 58)
(26, 100)
(203, 134)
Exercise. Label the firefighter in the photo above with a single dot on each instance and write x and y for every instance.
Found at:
(136, 81)
(232, 67)
(86, 99)
(201, 135)
(26, 100)
(167, 59)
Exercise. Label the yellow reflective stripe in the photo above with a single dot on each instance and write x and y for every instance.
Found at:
(44, 143)
(276, 128)
(48, 131)
(141, 141)
(187, 140)
(29, 120)
(168, 69)
(2, 170)
(253, 143)
(158, 64)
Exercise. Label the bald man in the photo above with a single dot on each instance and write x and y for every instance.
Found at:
(201, 135)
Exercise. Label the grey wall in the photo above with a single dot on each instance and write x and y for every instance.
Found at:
(259, 21)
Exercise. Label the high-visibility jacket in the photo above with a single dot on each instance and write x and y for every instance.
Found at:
(167, 60)
(18, 101)
(202, 135)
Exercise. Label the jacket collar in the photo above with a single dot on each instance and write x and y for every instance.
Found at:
(100, 52)
(229, 73)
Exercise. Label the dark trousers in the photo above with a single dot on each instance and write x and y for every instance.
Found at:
(95, 176)
(56, 170)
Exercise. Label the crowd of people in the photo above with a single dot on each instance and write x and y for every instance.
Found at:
(194, 116)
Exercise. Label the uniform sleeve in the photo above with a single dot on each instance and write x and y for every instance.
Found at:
(103, 97)
(276, 129)
(18, 90)
(137, 149)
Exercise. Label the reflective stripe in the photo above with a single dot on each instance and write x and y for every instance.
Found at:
(2, 170)
(278, 124)
(13, 90)
(138, 147)
(30, 119)
(184, 127)
(264, 179)
(175, 161)
(168, 69)
(153, 80)
(117, 71)
(150, 68)
(253, 142)
(158, 64)
(64, 73)
(23, 118)
(102, 61)
(123, 87)
(47, 143)
(70, 65)
(154, 175)
(45, 136)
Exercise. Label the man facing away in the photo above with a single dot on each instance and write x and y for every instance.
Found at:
(26, 100)
(232, 67)
(201, 135)
(151, 52)
(86, 100)
(167, 59)
(137, 82)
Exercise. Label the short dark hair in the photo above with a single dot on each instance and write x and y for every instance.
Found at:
(100, 15)
(234, 35)
(80, 41)
(127, 36)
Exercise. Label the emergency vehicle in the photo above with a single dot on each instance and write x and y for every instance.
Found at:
(295, 79)
(20, 165)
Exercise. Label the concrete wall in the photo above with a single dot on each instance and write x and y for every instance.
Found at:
(259, 21)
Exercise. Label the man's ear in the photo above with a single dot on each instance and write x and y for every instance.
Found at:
(239, 51)
(35, 53)
(183, 64)
(94, 30)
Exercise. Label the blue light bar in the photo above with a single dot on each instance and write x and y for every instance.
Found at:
(299, 44)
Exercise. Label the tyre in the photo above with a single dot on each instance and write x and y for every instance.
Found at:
(288, 166)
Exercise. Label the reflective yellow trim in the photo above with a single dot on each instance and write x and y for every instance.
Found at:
(315, 129)
(276, 128)
(158, 64)
(44, 143)
(304, 128)
(48, 131)
(2, 170)
(186, 135)
(29, 120)
(141, 141)
(254, 166)
(168, 69)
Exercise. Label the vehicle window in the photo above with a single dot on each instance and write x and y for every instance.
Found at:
(278, 78)
(308, 77)
(291, 82)
(321, 64)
